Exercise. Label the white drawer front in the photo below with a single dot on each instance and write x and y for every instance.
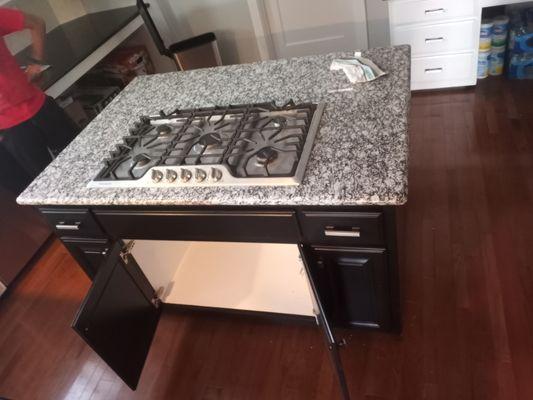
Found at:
(457, 67)
(438, 38)
(420, 11)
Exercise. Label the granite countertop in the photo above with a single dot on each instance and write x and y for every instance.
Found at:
(359, 156)
(72, 42)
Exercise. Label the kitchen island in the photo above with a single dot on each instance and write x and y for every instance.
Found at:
(341, 216)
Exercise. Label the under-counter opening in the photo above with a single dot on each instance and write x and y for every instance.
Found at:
(266, 277)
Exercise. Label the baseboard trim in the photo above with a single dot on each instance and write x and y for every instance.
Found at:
(244, 314)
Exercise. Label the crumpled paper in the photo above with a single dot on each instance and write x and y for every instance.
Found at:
(358, 69)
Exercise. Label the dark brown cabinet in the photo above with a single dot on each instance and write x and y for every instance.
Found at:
(355, 283)
(89, 253)
(349, 257)
(119, 316)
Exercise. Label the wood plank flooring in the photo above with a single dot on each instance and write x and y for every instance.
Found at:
(467, 287)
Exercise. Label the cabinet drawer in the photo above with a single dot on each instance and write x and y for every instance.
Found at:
(89, 253)
(421, 11)
(228, 226)
(435, 69)
(343, 228)
(72, 222)
(438, 38)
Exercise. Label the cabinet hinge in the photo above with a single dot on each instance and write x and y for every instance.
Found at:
(126, 251)
(156, 300)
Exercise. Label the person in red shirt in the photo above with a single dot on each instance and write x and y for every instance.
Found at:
(33, 127)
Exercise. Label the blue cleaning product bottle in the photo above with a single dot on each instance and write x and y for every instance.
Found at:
(521, 66)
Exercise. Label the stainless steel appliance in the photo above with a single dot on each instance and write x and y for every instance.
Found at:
(22, 230)
(252, 144)
(196, 52)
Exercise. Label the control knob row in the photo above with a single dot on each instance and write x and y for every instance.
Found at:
(186, 175)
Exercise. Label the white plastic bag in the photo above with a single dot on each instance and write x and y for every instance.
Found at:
(357, 69)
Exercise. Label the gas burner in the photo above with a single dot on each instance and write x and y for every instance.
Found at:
(265, 156)
(279, 122)
(163, 129)
(249, 144)
(210, 139)
(141, 160)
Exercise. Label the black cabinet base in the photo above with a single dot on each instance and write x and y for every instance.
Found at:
(349, 255)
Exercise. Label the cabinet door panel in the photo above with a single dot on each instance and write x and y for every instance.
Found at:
(359, 284)
(118, 318)
(322, 312)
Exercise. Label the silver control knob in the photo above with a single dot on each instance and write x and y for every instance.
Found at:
(216, 174)
(157, 175)
(199, 175)
(171, 175)
(185, 175)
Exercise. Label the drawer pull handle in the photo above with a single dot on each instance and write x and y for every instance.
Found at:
(435, 40)
(433, 70)
(68, 227)
(434, 11)
(100, 253)
(355, 232)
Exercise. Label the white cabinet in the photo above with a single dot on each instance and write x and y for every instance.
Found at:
(442, 71)
(444, 37)
(451, 37)
(428, 11)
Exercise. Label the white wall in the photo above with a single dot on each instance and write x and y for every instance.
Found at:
(377, 14)
(67, 10)
(229, 19)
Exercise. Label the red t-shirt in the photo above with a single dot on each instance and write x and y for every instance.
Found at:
(19, 99)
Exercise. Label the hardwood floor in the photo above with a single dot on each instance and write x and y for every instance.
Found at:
(467, 287)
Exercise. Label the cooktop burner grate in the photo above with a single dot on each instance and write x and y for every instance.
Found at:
(237, 143)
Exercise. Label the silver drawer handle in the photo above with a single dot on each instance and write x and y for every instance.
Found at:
(68, 227)
(435, 11)
(435, 40)
(336, 233)
(433, 70)
(101, 253)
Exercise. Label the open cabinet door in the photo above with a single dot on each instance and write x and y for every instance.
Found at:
(324, 319)
(119, 316)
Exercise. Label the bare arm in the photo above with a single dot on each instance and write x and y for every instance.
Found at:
(37, 29)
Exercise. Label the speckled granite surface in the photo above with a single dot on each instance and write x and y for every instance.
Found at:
(359, 157)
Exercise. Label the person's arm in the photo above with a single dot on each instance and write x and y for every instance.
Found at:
(37, 29)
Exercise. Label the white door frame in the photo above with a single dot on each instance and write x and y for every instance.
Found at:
(261, 29)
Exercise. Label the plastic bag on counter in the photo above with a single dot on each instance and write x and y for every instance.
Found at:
(357, 69)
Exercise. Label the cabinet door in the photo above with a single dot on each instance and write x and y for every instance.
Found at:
(89, 253)
(119, 316)
(358, 285)
(323, 315)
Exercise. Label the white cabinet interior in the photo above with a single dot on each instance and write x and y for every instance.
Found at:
(245, 276)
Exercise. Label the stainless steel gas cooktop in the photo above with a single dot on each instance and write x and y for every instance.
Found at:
(251, 144)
